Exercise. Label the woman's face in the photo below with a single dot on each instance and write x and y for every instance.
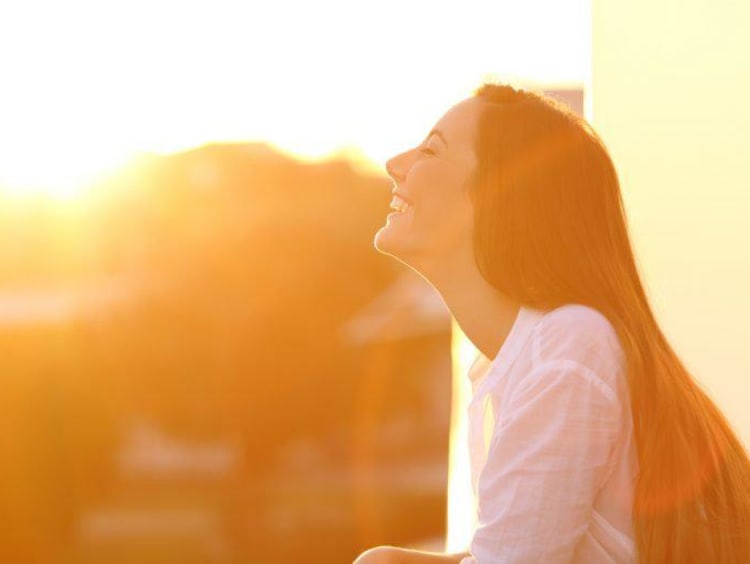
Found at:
(433, 178)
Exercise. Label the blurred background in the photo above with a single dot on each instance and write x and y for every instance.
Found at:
(203, 358)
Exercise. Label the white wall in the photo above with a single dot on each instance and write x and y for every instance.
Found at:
(670, 100)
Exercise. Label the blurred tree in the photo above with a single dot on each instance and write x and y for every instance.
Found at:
(239, 265)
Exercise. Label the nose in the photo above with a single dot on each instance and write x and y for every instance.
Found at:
(395, 168)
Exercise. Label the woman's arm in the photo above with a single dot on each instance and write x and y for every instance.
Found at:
(397, 555)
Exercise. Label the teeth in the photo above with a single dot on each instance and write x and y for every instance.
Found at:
(399, 204)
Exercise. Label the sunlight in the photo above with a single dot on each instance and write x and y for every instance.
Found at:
(83, 94)
(61, 170)
(89, 87)
(461, 507)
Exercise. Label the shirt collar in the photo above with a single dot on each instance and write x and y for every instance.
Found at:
(525, 321)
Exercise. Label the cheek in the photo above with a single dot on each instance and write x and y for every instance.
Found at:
(445, 192)
(435, 183)
(445, 218)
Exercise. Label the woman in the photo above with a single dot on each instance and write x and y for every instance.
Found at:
(604, 447)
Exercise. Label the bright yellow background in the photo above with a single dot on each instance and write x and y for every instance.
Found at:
(670, 100)
(87, 84)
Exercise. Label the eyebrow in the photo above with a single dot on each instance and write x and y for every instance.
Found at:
(439, 134)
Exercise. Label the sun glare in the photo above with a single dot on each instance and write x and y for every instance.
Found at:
(82, 94)
(62, 172)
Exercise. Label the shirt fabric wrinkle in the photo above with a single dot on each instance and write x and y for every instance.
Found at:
(552, 466)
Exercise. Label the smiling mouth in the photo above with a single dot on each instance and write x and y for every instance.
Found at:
(400, 205)
(400, 212)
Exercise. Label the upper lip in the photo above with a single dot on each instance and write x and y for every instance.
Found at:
(401, 195)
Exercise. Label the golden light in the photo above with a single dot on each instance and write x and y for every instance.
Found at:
(59, 172)
(90, 85)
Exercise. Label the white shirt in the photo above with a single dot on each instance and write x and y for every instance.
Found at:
(553, 473)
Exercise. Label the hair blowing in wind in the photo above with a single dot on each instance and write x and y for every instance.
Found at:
(551, 230)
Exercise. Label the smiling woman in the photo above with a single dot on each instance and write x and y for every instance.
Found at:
(601, 446)
(437, 222)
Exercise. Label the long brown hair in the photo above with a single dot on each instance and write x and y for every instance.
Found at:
(550, 229)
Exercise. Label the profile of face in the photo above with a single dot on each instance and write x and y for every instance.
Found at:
(433, 177)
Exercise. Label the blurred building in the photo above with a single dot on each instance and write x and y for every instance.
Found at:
(404, 335)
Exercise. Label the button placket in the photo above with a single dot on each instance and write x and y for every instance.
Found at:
(481, 414)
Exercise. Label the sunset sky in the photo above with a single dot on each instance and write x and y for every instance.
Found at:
(88, 85)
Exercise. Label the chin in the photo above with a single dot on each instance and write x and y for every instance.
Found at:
(387, 242)
(382, 242)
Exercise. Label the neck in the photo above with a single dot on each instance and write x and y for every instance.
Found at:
(484, 314)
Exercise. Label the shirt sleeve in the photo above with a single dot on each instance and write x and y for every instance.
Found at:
(548, 457)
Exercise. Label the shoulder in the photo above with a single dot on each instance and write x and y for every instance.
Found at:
(579, 334)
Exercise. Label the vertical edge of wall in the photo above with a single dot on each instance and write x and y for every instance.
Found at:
(460, 511)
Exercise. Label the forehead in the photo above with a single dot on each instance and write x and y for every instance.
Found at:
(458, 125)
(459, 122)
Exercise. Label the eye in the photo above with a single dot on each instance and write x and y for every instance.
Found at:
(427, 151)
